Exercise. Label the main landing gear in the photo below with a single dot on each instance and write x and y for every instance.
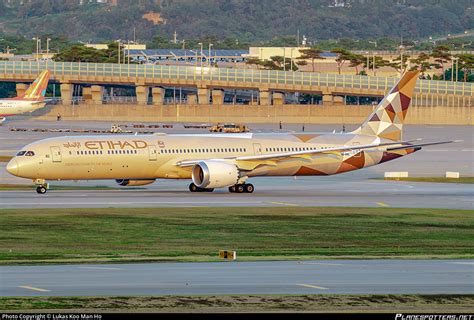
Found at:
(195, 188)
(241, 188)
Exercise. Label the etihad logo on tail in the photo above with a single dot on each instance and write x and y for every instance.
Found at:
(37, 89)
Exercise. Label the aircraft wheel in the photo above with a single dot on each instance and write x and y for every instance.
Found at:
(240, 188)
(193, 188)
(232, 189)
(208, 190)
(249, 188)
(41, 189)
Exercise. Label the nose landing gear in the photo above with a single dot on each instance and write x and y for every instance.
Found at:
(41, 189)
(42, 186)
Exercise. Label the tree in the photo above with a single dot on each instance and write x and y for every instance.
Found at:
(379, 63)
(466, 64)
(311, 54)
(355, 61)
(399, 65)
(441, 55)
(422, 63)
(275, 63)
(342, 57)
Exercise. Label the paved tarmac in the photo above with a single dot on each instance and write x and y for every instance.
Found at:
(348, 189)
(274, 277)
(307, 191)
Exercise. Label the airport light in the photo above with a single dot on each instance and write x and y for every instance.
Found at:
(119, 48)
(373, 55)
(401, 47)
(209, 57)
(38, 46)
(200, 43)
(47, 45)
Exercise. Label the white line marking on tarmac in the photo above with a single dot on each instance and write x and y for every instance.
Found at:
(321, 263)
(311, 286)
(99, 268)
(469, 263)
(34, 289)
(383, 204)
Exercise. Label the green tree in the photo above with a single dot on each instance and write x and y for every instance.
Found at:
(399, 64)
(441, 55)
(310, 54)
(421, 62)
(355, 60)
(342, 57)
(374, 65)
(466, 64)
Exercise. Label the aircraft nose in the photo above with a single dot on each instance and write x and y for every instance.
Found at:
(12, 167)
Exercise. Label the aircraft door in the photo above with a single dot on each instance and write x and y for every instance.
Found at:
(152, 153)
(56, 154)
(257, 148)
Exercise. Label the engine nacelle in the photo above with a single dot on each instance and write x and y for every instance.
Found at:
(215, 174)
(133, 183)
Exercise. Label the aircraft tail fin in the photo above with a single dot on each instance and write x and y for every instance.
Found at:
(387, 119)
(37, 90)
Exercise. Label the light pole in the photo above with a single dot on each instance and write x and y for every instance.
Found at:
(195, 58)
(119, 44)
(368, 62)
(401, 58)
(47, 46)
(209, 56)
(455, 67)
(200, 43)
(38, 45)
(284, 59)
(375, 44)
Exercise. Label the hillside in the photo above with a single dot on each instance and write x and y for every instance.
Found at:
(246, 20)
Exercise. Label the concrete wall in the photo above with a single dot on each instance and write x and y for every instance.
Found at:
(318, 114)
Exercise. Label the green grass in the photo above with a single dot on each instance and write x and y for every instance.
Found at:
(435, 179)
(197, 234)
(246, 303)
(5, 158)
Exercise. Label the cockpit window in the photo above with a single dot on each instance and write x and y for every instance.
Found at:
(20, 153)
(29, 154)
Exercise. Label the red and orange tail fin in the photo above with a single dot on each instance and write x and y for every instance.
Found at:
(37, 89)
(387, 119)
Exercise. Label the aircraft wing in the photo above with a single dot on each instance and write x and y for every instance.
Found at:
(300, 154)
(421, 145)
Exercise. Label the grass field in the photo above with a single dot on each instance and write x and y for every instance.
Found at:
(197, 234)
(245, 303)
(434, 179)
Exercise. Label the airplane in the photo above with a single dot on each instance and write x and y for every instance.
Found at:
(219, 160)
(33, 98)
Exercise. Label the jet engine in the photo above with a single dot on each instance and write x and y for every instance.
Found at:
(133, 183)
(215, 174)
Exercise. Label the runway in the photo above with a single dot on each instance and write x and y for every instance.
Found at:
(307, 191)
(274, 277)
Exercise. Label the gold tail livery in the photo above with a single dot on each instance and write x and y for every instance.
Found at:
(31, 100)
(223, 160)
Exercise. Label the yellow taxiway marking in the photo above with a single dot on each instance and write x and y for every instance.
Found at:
(311, 286)
(34, 289)
(383, 204)
(285, 204)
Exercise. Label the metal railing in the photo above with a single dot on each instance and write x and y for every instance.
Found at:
(258, 78)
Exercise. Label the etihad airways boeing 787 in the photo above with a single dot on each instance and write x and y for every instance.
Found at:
(222, 160)
(31, 100)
